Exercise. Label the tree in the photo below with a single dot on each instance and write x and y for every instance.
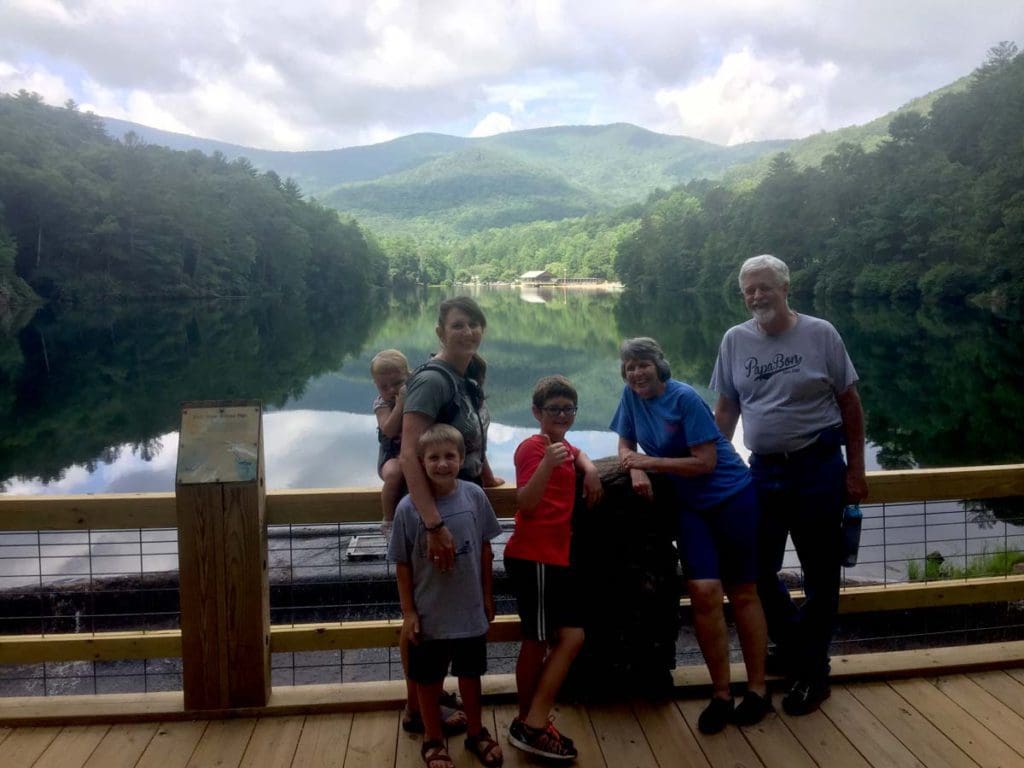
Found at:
(91, 217)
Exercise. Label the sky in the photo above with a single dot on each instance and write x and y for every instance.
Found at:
(323, 74)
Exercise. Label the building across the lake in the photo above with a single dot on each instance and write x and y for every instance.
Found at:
(541, 278)
(538, 277)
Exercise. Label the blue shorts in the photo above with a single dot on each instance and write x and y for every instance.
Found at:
(721, 542)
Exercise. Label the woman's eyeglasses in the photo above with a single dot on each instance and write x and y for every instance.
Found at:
(554, 410)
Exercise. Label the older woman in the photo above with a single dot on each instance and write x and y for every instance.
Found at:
(717, 518)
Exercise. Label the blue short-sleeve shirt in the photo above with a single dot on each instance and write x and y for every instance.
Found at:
(666, 426)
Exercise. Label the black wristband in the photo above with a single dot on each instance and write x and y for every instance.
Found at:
(434, 528)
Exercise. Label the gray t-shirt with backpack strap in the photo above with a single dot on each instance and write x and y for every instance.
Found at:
(429, 391)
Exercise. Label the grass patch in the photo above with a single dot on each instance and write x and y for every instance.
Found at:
(935, 568)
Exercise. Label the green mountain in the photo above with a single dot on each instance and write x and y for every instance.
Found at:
(546, 174)
(313, 171)
(425, 181)
(468, 190)
(431, 184)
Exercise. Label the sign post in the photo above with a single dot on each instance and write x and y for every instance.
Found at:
(222, 555)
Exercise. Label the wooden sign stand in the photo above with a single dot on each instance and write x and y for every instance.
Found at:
(222, 556)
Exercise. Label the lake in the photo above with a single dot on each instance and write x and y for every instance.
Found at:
(91, 397)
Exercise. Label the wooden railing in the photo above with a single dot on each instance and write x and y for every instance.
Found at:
(158, 510)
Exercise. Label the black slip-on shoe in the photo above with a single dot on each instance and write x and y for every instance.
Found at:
(805, 696)
(752, 709)
(716, 715)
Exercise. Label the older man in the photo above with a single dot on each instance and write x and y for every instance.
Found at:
(790, 377)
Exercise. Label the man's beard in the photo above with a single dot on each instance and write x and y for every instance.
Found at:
(764, 315)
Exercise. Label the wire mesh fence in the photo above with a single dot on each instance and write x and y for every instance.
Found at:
(81, 582)
(937, 540)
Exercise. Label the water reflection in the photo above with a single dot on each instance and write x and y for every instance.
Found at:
(89, 400)
(304, 449)
(79, 388)
(532, 295)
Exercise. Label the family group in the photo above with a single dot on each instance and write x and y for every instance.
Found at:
(786, 373)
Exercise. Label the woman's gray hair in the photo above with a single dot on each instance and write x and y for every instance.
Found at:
(644, 348)
(765, 261)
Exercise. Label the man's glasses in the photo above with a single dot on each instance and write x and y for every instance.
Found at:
(554, 410)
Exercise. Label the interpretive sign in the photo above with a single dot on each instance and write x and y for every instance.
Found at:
(220, 497)
(218, 443)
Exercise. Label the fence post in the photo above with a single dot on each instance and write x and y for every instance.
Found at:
(222, 555)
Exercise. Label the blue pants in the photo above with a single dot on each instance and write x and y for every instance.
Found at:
(802, 495)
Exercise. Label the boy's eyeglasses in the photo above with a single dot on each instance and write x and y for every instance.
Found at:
(554, 410)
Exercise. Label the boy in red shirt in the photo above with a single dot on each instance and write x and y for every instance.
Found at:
(537, 562)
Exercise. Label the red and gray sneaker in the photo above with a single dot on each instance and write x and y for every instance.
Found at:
(544, 742)
(550, 727)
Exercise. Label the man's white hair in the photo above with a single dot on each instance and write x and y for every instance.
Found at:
(765, 261)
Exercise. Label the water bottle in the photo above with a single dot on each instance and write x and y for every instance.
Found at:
(852, 518)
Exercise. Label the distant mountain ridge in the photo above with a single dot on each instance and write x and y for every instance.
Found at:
(473, 183)
(314, 170)
(431, 183)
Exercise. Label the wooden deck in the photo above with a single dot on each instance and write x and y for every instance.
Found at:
(956, 720)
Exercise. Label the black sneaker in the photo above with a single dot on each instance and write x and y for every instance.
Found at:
(805, 697)
(752, 709)
(716, 715)
(543, 742)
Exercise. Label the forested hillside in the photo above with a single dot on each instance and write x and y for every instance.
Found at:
(431, 185)
(464, 192)
(84, 216)
(541, 175)
(935, 213)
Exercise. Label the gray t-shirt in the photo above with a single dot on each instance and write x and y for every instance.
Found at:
(429, 392)
(450, 604)
(785, 385)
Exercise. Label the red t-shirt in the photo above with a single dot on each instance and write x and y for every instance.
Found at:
(543, 535)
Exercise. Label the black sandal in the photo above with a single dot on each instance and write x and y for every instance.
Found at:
(483, 746)
(435, 755)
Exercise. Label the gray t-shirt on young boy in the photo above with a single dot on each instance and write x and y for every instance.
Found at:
(450, 604)
(786, 385)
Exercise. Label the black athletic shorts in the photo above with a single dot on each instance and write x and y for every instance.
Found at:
(547, 595)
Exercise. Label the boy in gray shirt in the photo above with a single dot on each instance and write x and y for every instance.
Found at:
(445, 615)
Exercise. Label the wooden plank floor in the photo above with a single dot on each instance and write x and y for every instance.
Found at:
(972, 720)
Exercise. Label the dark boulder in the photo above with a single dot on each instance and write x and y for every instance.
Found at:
(628, 568)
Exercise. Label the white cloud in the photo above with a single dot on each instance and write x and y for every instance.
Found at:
(493, 123)
(323, 74)
(750, 98)
(220, 107)
(136, 106)
(50, 86)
